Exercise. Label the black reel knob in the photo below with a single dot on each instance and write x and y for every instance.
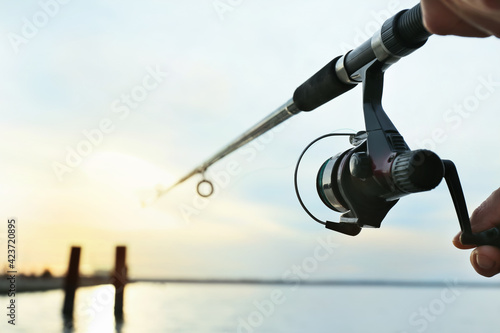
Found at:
(417, 171)
(360, 165)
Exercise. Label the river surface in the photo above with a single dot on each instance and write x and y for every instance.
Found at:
(248, 308)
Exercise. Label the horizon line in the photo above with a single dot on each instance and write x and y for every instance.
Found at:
(325, 282)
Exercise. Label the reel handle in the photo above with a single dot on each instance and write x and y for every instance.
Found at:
(486, 237)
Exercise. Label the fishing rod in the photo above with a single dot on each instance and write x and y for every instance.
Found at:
(364, 182)
(399, 36)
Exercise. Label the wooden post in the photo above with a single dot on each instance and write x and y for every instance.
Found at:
(71, 282)
(119, 280)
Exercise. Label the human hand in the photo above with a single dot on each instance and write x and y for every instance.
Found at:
(485, 259)
(470, 18)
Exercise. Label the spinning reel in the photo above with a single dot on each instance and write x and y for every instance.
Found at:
(364, 182)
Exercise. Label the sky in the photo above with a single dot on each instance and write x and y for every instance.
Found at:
(104, 101)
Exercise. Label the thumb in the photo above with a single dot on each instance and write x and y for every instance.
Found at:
(486, 260)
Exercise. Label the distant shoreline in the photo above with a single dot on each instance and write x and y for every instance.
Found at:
(35, 284)
(333, 283)
(30, 284)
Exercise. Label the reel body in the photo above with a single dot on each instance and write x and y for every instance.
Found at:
(364, 182)
(348, 183)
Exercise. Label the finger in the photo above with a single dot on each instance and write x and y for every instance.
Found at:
(484, 15)
(486, 260)
(458, 243)
(487, 215)
(484, 217)
(482, 6)
(440, 19)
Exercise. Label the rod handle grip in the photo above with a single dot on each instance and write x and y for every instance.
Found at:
(320, 88)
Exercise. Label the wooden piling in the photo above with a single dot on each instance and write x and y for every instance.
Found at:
(119, 280)
(71, 282)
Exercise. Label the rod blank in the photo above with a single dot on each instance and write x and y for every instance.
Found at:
(281, 114)
(399, 36)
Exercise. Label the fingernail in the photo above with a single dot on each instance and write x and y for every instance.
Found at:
(484, 262)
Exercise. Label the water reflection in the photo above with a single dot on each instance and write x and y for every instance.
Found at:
(68, 326)
(151, 307)
(94, 310)
(119, 325)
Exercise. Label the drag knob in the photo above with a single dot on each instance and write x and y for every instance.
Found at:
(417, 171)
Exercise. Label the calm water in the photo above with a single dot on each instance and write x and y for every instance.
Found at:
(207, 308)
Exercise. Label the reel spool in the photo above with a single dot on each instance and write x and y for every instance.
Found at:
(348, 228)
